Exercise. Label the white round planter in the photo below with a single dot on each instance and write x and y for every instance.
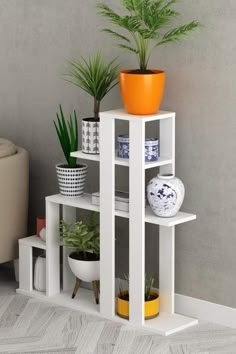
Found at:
(87, 271)
(71, 180)
(165, 195)
(40, 274)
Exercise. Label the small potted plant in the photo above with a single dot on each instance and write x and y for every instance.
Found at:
(148, 25)
(97, 78)
(71, 176)
(84, 260)
(151, 298)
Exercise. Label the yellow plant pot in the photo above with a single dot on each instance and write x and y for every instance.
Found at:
(151, 308)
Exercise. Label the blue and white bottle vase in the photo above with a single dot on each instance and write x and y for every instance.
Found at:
(165, 194)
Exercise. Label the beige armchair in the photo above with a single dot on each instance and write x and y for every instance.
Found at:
(14, 191)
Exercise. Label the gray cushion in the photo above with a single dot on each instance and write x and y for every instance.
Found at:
(7, 148)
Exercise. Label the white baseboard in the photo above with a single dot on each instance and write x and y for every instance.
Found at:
(206, 311)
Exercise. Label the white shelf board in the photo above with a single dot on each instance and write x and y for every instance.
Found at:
(165, 324)
(84, 202)
(123, 115)
(33, 241)
(84, 300)
(122, 162)
(180, 218)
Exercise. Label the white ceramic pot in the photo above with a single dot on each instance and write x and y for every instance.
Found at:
(165, 194)
(40, 273)
(90, 136)
(71, 180)
(42, 234)
(87, 271)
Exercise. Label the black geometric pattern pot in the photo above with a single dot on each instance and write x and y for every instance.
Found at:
(71, 181)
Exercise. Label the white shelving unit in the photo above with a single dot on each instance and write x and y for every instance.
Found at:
(167, 322)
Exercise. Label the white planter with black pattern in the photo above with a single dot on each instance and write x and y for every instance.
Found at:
(71, 181)
(90, 136)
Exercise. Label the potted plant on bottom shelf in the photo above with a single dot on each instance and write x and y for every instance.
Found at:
(83, 240)
(151, 298)
(97, 78)
(147, 24)
(71, 176)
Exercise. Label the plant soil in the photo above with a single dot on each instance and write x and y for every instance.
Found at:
(84, 256)
(126, 297)
(142, 72)
(66, 166)
(91, 119)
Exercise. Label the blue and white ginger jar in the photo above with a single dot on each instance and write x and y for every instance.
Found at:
(165, 195)
(151, 148)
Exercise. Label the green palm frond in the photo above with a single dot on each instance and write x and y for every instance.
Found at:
(177, 34)
(94, 76)
(145, 22)
(67, 133)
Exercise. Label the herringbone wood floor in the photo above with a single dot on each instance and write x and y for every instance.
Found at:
(31, 326)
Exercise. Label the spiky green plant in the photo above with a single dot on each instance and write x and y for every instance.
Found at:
(67, 132)
(148, 286)
(82, 237)
(94, 76)
(145, 21)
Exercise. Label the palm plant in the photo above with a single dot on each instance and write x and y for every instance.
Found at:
(144, 22)
(94, 76)
(67, 133)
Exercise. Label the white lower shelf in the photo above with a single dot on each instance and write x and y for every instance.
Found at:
(33, 241)
(84, 300)
(165, 324)
(85, 202)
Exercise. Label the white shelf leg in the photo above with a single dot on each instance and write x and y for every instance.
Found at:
(69, 215)
(52, 248)
(107, 217)
(167, 268)
(136, 222)
(25, 267)
(167, 143)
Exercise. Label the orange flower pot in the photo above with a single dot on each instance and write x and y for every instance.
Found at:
(151, 308)
(142, 93)
(40, 224)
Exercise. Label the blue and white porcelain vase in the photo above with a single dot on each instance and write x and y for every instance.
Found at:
(151, 148)
(165, 194)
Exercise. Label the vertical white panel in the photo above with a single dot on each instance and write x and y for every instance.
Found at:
(25, 267)
(52, 249)
(167, 142)
(136, 222)
(69, 215)
(167, 235)
(107, 217)
(167, 268)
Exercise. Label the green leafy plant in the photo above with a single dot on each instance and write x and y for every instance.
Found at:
(67, 132)
(145, 21)
(148, 288)
(82, 237)
(94, 76)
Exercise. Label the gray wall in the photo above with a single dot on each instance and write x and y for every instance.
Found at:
(36, 36)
